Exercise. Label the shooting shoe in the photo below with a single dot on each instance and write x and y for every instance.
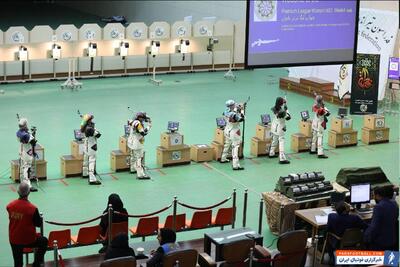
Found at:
(144, 177)
(97, 182)
(323, 156)
(224, 161)
(238, 169)
(33, 189)
(313, 152)
(284, 162)
(273, 156)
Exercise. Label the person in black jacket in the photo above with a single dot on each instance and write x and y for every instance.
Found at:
(119, 248)
(166, 237)
(118, 206)
(338, 223)
(381, 233)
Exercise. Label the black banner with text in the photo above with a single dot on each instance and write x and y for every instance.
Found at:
(365, 85)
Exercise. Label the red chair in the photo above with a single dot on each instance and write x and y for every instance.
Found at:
(27, 251)
(87, 236)
(179, 223)
(200, 219)
(224, 217)
(146, 226)
(63, 238)
(116, 228)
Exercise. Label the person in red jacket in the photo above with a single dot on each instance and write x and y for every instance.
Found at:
(24, 218)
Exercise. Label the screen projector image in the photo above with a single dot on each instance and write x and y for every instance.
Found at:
(284, 32)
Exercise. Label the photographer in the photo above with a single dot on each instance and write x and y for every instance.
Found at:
(137, 132)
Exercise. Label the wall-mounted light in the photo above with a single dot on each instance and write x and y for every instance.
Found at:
(123, 49)
(56, 51)
(154, 48)
(22, 53)
(211, 42)
(92, 49)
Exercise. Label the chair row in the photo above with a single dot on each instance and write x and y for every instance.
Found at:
(146, 226)
(200, 219)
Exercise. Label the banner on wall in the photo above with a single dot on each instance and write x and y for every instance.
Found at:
(377, 30)
(394, 70)
(365, 85)
(344, 81)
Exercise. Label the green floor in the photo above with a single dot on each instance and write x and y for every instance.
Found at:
(195, 100)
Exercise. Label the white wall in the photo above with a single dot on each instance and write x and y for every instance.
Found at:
(149, 11)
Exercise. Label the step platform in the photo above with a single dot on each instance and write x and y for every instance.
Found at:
(337, 140)
(375, 136)
(41, 170)
(71, 166)
(175, 156)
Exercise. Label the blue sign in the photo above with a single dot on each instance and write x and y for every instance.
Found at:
(391, 258)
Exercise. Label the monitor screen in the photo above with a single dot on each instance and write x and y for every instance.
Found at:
(279, 32)
(342, 112)
(265, 119)
(78, 135)
(126, 130)
(173, 126)
(305, 115)
(360, 193)
(221, 122)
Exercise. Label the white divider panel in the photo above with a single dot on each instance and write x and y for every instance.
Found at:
(41, 66)
(114, 31)
(1, 68)
(203, 28)
(181, 29)
(223, 28)
(137, 31)
(15, 68)
(222, 57)
(1, 37)
(136, 62)
(162, 60)
(84, 64)
(202, 58)
(17, 35)
(90, 32)
(41, 34)
(61, 65)
(159, 30)
(240, 39)
(67, 33)
(113, 63)
(176, 60)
